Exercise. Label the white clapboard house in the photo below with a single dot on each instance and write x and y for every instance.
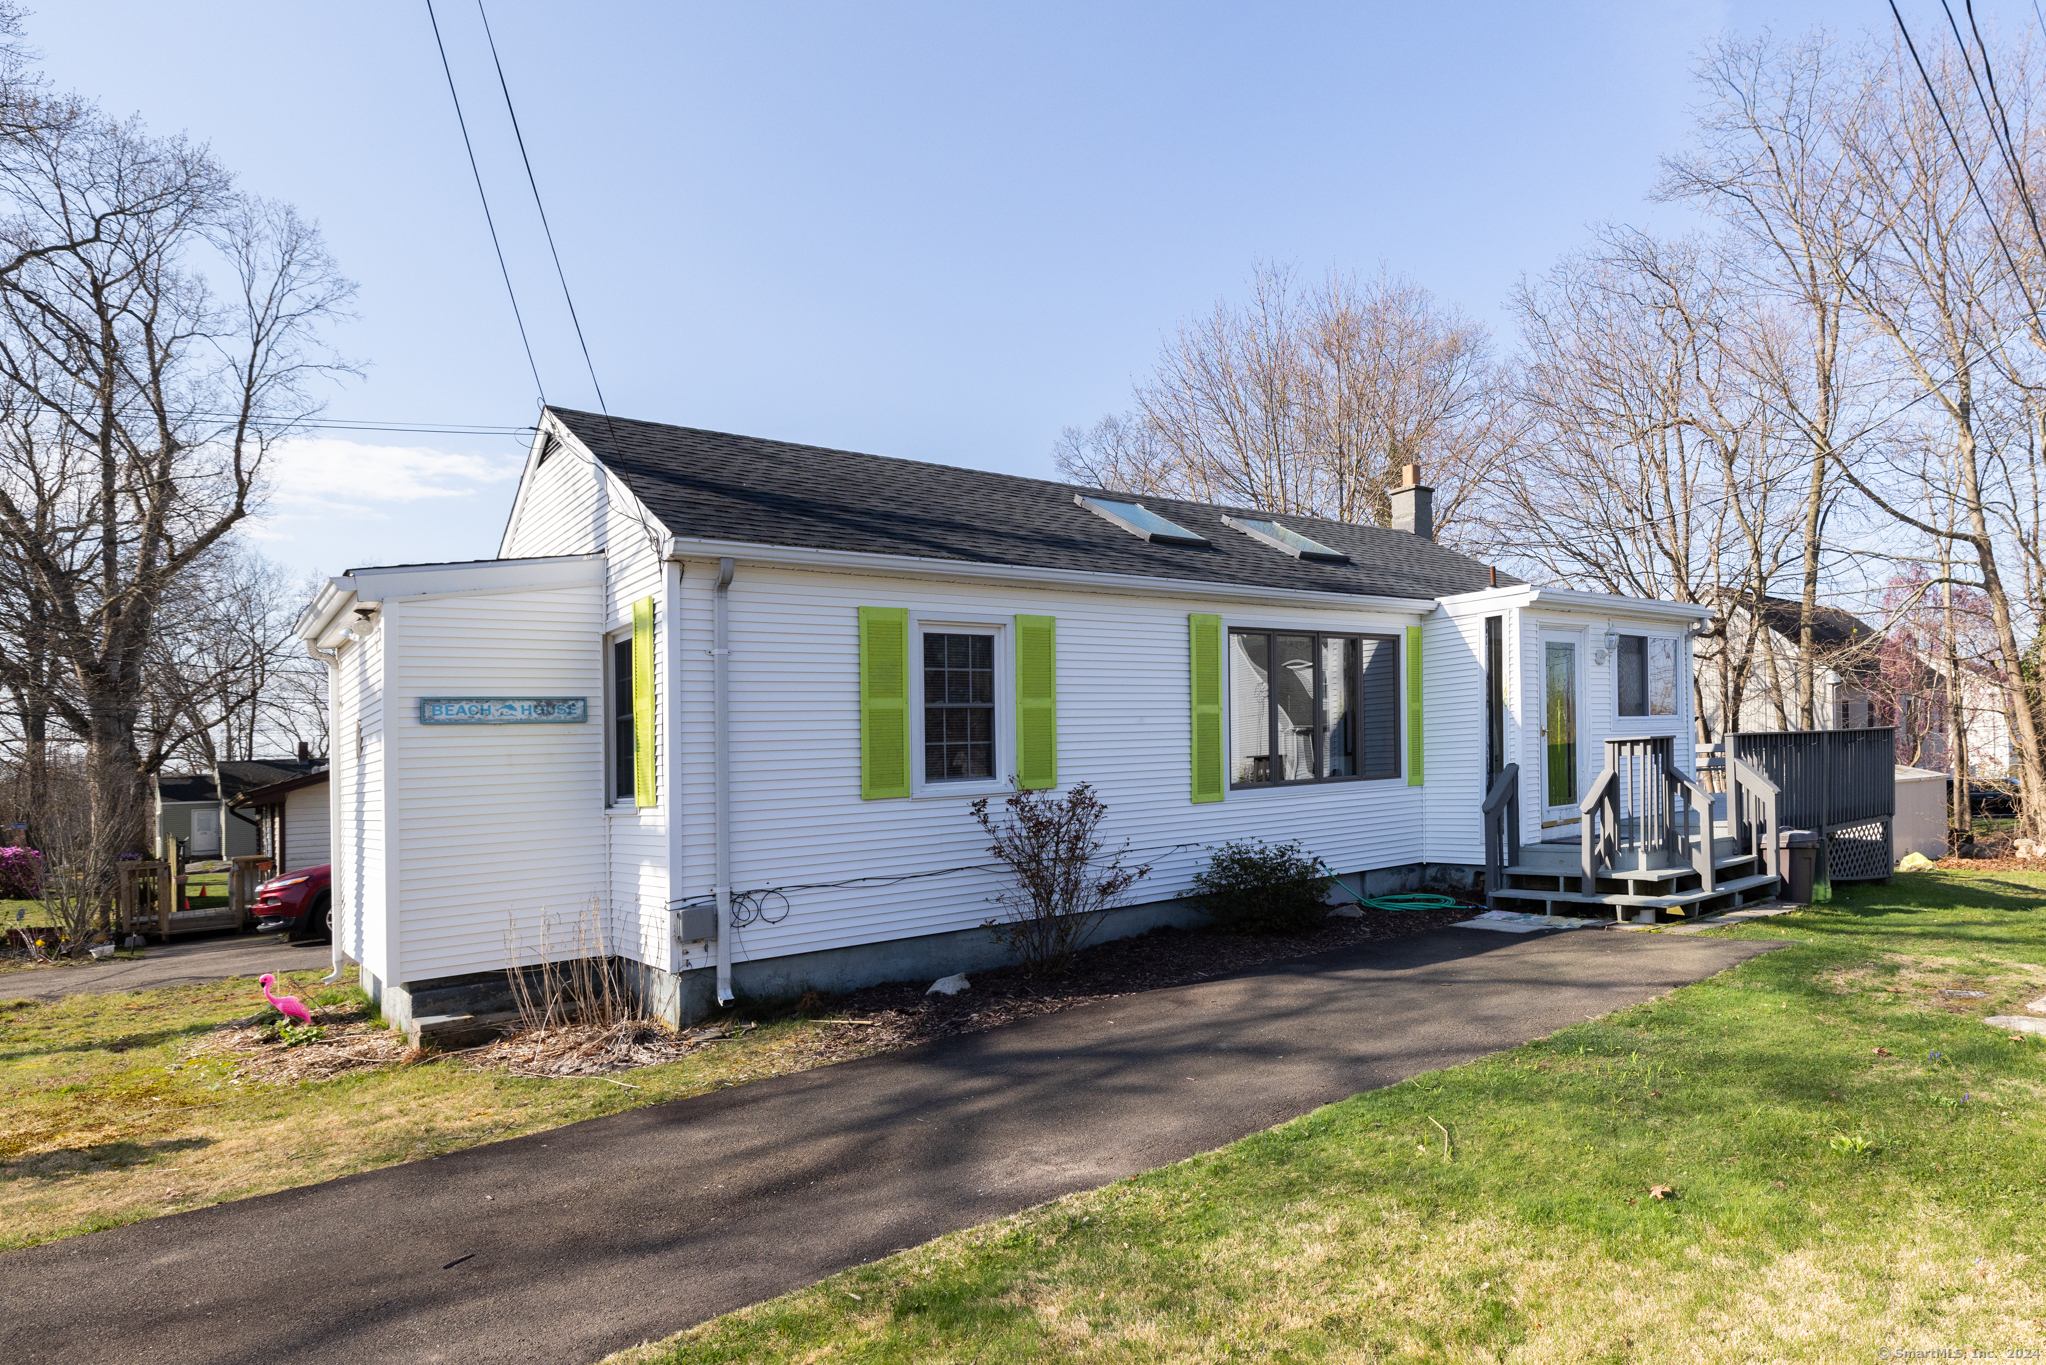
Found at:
(740, 695)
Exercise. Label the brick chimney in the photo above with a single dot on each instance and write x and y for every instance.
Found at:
(1413, 504)
(305, 754)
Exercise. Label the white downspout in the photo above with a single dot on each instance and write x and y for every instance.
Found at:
(332, 658)
(721, 775)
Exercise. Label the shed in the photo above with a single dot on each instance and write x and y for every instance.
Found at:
(197, 811)
(1920, 824)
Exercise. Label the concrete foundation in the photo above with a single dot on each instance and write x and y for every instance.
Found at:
(684, 997)
(693, 994)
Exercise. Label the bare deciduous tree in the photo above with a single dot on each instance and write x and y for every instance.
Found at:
(145, 404)
(1309, 400)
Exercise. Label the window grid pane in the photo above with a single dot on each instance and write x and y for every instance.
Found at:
(1662, 677)
(959, 707)
(1339, 707)
(1632, 675)
(1250, 722)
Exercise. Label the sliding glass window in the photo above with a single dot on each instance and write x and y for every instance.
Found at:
(1308, 707)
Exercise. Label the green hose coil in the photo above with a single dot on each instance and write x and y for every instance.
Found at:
(1416, 900)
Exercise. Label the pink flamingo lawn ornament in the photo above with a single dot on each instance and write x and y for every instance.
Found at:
(285, 1004)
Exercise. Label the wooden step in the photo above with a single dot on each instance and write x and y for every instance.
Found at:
(1727, 895)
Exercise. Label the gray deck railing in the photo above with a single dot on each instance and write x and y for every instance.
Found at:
(1501, 815)
(1754, 808)
(1643, 811)
(1841, 784)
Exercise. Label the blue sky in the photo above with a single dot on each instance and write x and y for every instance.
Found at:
(936, 231)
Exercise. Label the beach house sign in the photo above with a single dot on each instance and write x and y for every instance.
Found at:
(503, 710)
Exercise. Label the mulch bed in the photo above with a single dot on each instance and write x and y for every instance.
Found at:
(592, 1049)
(902, 1013)
(353, 1042)
(874, 1019)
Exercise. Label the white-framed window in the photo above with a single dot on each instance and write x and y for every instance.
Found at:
(619, 739)
(1646, 678)
(963, 707)
(1312, 706)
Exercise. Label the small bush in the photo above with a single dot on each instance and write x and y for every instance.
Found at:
(1065, 874)
(21, 874)
(1258, 888)
(298, 1035)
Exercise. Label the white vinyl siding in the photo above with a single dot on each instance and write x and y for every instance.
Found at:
(304, 821)
(637, 875)
(568, 506)
(1453, 736)
(510, 816)
(358, 891)
(556, 512)
(797, 816)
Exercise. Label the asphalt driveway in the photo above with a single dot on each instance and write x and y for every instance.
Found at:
(570, 1244)
(186, 963)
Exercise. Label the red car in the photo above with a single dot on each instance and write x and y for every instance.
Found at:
(298, 903)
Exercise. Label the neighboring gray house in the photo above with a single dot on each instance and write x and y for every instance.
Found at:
(195, 809)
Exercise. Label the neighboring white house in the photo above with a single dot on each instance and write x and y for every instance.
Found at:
(1861, 682)
(741, 695)
(1756, 657)
(294, 819)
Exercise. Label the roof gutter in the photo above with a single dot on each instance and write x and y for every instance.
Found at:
(335, 596)
(919, 566)
(1525, 595)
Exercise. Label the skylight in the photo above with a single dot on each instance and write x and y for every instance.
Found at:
(1292, 542)
(1140, 520)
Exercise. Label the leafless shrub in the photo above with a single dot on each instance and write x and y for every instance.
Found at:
(1065, 874)
(570, 976)
(82, 853)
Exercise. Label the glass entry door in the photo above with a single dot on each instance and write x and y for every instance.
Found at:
(1559, 731)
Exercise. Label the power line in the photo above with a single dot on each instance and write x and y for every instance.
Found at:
(495, 244)
(393, 425)
(2006, 142)
(1967, 167)
(559, 273)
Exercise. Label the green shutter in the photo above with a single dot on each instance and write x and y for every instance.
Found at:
(1413, 706)
(643, 702)
(1037, 713)
(1204, 647)
(884, 702)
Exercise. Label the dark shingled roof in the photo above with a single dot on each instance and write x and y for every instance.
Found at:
(1833, 630)
(716, 486)
(237, 775)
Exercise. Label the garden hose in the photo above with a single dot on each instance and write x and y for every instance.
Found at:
(1417, 900)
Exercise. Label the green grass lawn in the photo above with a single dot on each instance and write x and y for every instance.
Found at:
(111, 1111)
(1854, 1162)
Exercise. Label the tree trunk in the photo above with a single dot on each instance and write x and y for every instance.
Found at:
(1807, 653)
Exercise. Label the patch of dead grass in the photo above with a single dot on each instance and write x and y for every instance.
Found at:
(1917, 982)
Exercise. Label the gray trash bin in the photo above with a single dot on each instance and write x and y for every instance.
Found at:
(1800, 853)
